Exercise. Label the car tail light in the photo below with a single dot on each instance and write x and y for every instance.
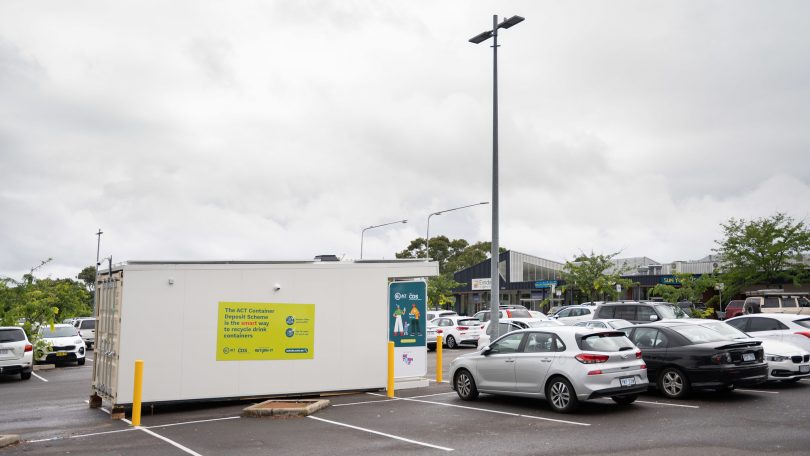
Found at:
(638, 354)
(508, 314)
(643, 366)
(588, 358)
(722, 358)
(804, 333)
(439, 331)
(596, 372)
(28, 348)
(462, 328)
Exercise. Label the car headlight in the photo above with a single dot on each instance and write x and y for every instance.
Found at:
(776, 358)
(77, 341)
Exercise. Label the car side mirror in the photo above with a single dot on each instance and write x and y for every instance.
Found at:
(653, 317)
(485, 351)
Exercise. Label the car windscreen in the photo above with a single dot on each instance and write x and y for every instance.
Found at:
(88, 324)
(698, 334)
(11, 335)
(669, 311)
(804, 322)
(605, 342)
(59, 331)
(724, 329)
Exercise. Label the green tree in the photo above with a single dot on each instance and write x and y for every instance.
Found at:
(690, 288)
(452, 256)
(588, 276)
(766, 250)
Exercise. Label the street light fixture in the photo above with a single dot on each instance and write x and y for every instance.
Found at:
(374, 226)
(427, 235)
(495, 288)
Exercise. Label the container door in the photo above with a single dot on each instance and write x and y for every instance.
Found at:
(108, 330)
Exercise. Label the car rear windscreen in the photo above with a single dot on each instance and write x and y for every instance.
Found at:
(88, 324)
(805, 323)
(605, 342)
(518, 313)
(469, 322)
(11, 335)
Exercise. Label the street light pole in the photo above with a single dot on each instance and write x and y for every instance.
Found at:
(495, 287)
(362, 233)
(427, 235)
(95, 280)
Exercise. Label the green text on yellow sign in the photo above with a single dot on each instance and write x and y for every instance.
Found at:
(265, 331)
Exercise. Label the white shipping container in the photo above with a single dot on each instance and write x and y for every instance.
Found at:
(168, 315)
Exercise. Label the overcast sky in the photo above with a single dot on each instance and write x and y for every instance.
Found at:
(273, 130)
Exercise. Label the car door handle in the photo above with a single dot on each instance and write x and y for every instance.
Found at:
(510, 360)
(545, 360)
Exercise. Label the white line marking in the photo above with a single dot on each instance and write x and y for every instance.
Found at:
(82, 435)
(756, 391)
(381, 433)
(365, 402)
(88, 359)
(493, 411)
(443, 381)
(193, 422)
(430, 395)
(671, 405)
(170, 442)
(37, 376)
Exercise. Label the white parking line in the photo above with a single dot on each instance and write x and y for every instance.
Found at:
(37, 376)
(667, 403)
(170, 442)
(492, 411)
(365, 402)
(756, 391)
(430, 395)
(381, 433)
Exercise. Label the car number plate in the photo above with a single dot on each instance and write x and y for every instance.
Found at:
(627, 381)
(61, 353)
(804, 369)
(748, 357)
(3, 351)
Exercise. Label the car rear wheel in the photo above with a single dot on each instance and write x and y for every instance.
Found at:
(561, 395)
(465, 385)
(625, 400)
(80, 361)
(451, 342)
(25, 375)
(673, 383)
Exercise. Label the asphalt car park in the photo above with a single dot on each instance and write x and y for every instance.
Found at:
(51, 414)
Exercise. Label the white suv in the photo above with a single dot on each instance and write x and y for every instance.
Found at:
(16, 352)
(66, 345)
(572, 315)
(87, 330)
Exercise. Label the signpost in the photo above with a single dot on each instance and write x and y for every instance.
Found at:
(407, 328)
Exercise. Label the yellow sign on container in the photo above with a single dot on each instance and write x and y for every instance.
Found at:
(265, 331)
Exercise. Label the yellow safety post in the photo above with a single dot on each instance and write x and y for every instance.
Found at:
(136, 393)
(439, 366)
(390, 369)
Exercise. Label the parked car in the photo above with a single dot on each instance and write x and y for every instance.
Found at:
(790, 328)
(16, 352)
(555, 309)
(66, 345)
(457, 330)
(777, 301)
(430, 336)
(786, 362)
(507, 326)
(638, 312)
(87, 330)
(513, 313)
(574, 314)
(605, 324)
(681, 357)
(734, 308)
(433, 314)
(563, 364)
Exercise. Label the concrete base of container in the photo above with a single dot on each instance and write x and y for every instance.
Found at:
(280, 408)
(410, 383)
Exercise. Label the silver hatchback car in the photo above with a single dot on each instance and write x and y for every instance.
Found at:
(564, 365)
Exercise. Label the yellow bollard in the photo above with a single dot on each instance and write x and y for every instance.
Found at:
(390, 369)
(136, 393)
(439, 366)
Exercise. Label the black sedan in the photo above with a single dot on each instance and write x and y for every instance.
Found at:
(681, 357)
